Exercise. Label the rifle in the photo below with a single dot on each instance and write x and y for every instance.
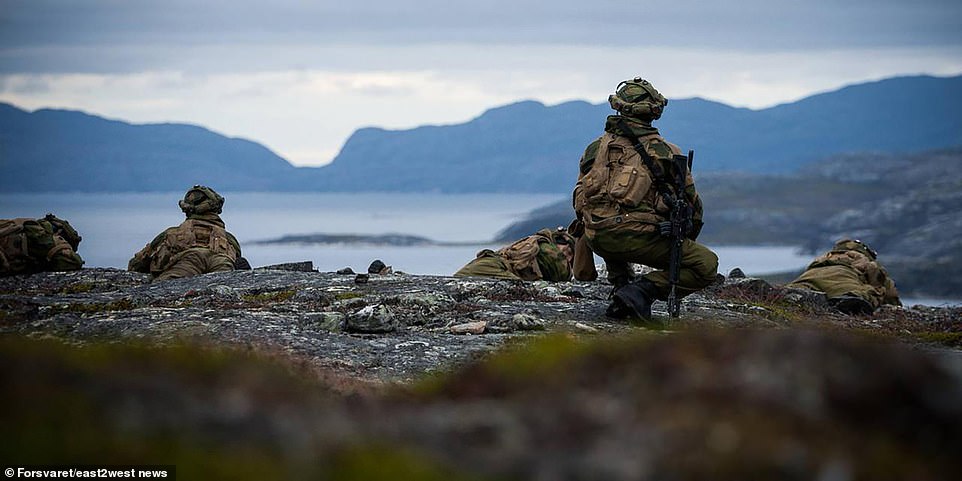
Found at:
(680, 220)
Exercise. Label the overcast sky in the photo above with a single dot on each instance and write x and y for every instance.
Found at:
(300, 76)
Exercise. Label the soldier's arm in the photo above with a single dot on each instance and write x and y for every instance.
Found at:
(65, 259)
(234, 243)
(891, 294)
(140, 262)
(584, 166)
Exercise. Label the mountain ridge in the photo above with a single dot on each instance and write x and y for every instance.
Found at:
(525, 146)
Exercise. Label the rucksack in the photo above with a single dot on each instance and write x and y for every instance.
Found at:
(17, 236)
(522, 257)
(620, 188)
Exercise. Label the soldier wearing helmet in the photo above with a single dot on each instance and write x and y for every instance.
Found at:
(198, 245)
(851, 277)
(620, 198)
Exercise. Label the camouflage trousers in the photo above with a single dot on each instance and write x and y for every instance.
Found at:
(699, 265)
(487, 264)
(837, 281)
(196, 261)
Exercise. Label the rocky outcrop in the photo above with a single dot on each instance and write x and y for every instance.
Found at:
(396, 326)
(260, 375)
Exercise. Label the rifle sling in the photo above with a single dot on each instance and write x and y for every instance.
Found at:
(657, 172)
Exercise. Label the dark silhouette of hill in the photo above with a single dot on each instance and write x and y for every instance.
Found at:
(62, 150)
(522, 147)
(529, 147)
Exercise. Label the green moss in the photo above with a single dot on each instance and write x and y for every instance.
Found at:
(542, 359)
(388, 463)
(538, 357)
(67, 406)
(78, 288)
(94, 307)
(950, 339)
(269, 297)
(343, 296)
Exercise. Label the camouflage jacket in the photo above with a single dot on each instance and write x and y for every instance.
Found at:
(616, 190)
(204, 231)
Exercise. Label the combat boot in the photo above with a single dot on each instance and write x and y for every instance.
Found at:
(850, 304)
(633, 300)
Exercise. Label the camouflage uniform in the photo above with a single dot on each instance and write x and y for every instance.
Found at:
(197, 246)
(620, 200)
(546, 255)
(851, 278)
(37, 245)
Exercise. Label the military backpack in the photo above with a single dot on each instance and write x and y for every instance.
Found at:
(620, 188)
(18, 236)
(522, 257)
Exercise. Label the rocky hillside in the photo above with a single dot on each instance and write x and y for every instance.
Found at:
(305, 375)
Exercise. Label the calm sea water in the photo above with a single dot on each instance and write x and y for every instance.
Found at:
(115, 226)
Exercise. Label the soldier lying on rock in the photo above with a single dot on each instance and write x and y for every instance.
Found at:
(37, 245)
(851, 277)
(546, 255)
(199, 245)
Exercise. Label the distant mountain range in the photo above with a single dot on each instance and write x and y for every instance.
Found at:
(522, 147)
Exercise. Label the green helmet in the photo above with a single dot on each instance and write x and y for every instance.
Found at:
(638, 99)
(855, 245)
(201, 200)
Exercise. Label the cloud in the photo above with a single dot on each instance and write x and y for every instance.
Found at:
(110, 36)
(306, 115)
(300, 76)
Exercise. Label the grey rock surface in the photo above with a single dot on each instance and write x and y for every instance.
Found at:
(395, 327)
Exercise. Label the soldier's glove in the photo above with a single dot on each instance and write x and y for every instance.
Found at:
(664, 228)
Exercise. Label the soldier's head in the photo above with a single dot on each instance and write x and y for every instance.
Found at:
(201, 200)
(638, 99)
(856, 245)
(63, 229)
